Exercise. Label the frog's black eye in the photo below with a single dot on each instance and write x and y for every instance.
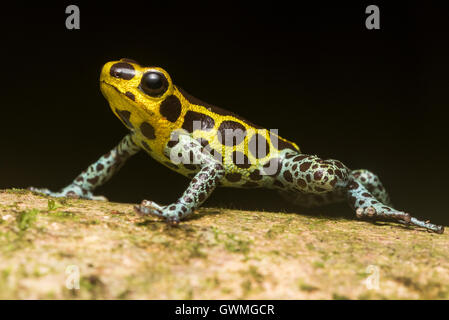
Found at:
(153, 83)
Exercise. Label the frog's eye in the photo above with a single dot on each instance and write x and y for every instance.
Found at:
(153, 83)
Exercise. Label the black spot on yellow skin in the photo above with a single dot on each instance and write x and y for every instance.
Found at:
(205, 122)
(124, 116)
(172, 143)
(285, 145)
(122, 70)
(255, 175)
(171, 108)
(147, 130)
(231, 133)
(130, 95)
(233, 177)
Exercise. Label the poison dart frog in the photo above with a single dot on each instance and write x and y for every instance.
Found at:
(214, 147)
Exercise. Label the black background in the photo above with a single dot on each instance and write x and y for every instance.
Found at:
(374, 99)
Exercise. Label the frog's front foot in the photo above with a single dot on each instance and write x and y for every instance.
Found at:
(172, 213)
(71, 191)
(385, 212)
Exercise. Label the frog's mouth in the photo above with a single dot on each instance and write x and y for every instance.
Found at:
(106, 88)
(103, 83)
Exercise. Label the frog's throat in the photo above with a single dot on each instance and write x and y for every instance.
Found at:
(116, 98)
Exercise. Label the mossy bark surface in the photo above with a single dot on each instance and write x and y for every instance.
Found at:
(216, 254)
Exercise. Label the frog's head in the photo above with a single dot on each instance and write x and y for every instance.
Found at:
(132, 88)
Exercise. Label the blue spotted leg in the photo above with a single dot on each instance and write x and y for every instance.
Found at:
(368, 179)
(211, 171)
(308, 180)
(97, 173)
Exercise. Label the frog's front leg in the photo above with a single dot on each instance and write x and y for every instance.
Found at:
(200, 187)
(97, 173)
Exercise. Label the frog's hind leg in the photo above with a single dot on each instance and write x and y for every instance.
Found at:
(368, 179)
(369, 199)
(97, 173)
(363, 190)
(373, 184)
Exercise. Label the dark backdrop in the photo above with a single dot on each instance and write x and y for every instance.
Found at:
(372, 99)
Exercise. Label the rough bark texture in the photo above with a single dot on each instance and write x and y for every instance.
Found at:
(217, 254)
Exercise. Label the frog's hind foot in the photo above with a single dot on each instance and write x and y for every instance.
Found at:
(387, 213)
(149, 208)
(172, 213)
(426, 225)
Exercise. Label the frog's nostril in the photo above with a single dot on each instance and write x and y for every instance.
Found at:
(122, 70)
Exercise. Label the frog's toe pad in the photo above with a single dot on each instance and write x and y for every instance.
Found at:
(365, 212)
(149, 208)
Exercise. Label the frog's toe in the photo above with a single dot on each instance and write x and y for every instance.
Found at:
(382, 212)
(425, 224)
(39, 190)
(385, 212)
(72, 192)
(152, 208)
(45, 191)
(362, 212)
(149, 208)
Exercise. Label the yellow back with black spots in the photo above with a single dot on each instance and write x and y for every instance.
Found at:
(150, 105)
